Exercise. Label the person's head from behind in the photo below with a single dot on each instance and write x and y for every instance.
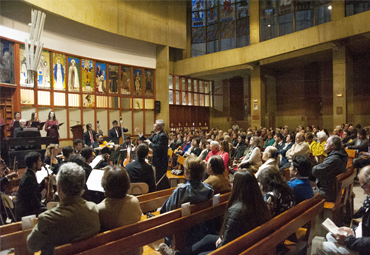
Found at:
(142, 151)
(33, 160)
(271, 179)
(194, 168)
(67, 152)
(87, 153)
(309, 137)
(70, 180)
(224, 146)
(246, 191)
(115, 182)
(300, 167)
(215, 165)
(78, 159)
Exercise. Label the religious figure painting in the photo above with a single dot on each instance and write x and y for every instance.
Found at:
(138, 89)
(73, 74)
(59, 71)
(101, 78)
(26, 78)
(113, 79)
(7, 62)
(43, 71)
(88, 100)
(87, 75)
(149, 83)
(125, 80)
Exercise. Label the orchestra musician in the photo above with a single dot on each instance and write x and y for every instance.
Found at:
(158, 142)
(29, 191)
(34, 120)
(51, 125)
(77, 146)
(22, 125)
(115, 133)
(50, 158)
(128, 146)
(101, 146)
(89, 136)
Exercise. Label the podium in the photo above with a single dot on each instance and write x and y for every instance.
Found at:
(77, 131)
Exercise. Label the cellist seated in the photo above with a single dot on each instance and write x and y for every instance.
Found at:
(127, 149)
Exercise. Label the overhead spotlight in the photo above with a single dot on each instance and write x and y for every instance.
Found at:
(268, 25)
(329, 7)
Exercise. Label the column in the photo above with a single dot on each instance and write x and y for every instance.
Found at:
(342, 85)
(161, 84)
(254, 22)
(258, 106)
(338, 10)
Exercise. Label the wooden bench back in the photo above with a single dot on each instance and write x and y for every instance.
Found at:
(131, 242)
(284, 224)
(180, 160)
(135, 229)
(351, 155)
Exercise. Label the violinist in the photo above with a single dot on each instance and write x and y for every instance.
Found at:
(128, 146)
(50, 157)
(101, 146)
(29, 191)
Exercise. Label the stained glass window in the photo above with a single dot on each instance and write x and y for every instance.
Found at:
(7, 62)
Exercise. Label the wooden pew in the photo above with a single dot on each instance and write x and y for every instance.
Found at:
(170, 158)
(200, 213)
(343, 206)
(265, 238)
(352, 154)
(12, 236)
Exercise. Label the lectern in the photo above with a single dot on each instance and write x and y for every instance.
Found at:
(77, 131)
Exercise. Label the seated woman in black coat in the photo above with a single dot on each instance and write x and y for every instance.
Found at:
(245, 211)
(50, 157)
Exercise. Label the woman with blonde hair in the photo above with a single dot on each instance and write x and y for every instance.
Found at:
(254, 157)
(50, 157)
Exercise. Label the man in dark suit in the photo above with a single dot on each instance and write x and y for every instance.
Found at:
(158, 142)
(115, 133)
(139, 170)
(29, 192)
(127, 147)
(89, 136)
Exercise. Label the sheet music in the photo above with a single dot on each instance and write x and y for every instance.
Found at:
(96, 161)
(40, 175)
(94, 181)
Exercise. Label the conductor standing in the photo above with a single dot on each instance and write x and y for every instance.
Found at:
(158, 142)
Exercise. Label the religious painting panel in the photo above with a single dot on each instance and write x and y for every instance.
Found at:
(101, 78)
(212, 12)
(87, 76)
(125, 80)
(59, 71)
(7, 62)
(43, 71)
(227, 10)
(138, 81)
(113, 79)
(138, 104)
(242, 9)
(74, 74)
(149, 83)
(26, 78)
(88, 100)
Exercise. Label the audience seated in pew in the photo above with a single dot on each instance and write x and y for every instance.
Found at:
(300, 169)
(289, 141)
(194, 191)
(73, 219)
(216, 179)
(351, 241)
(215, 150)
(276, 192)
(245, 211)
(224, 153)
(319, 150)
(334, 164)
(300, 147)
(360, 144)
(119, 208)
(240, 147)
(254, 157)
(271, 159)
(204, 145)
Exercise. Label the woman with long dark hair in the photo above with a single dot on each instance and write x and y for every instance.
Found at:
(51, 125)
(245, 211)
(33, 119)
(276, 191)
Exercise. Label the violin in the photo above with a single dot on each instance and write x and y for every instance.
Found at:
(128, 158)
(8, 187)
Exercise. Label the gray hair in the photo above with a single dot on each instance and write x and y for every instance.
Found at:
(336, 141)
(321, 134)
(71, 179)
(216, 144)
(365, 171)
